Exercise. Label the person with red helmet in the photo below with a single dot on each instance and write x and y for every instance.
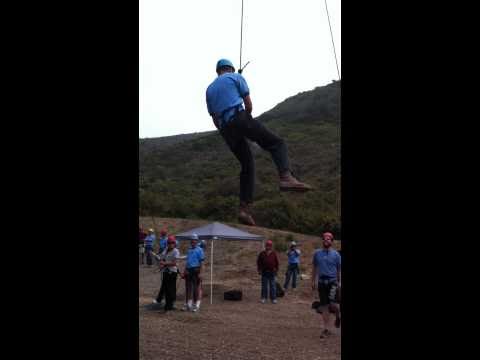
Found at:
(161, 293)
(267, 266)
(168, 267)
(326, 275)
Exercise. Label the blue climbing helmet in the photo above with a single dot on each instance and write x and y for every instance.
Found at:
(224, 62)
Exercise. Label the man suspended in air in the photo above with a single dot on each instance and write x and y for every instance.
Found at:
(225, 98)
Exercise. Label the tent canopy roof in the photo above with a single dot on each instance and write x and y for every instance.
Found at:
(221, 231)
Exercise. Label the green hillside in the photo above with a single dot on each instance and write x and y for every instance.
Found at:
(196, 176)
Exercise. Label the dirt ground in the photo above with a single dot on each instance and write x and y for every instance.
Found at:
(240, 330)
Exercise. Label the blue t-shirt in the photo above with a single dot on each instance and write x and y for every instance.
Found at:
(293, 256)
(225, 95)
(195, 257)
(163, 243)
(327, 262)
(149, 240)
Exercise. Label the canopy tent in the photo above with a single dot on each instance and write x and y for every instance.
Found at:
(218, 231)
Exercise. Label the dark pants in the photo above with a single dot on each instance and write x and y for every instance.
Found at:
(169, 283)
(192, 283)
(141, 251)
(161, 292)
(236, 132)
(148, 252)
(268, 281)
(292, 272)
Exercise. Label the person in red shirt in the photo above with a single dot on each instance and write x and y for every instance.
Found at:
(267, 265)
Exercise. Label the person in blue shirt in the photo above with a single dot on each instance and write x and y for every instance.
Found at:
(163, 241)
(149, 241)
(225, 98)
(293, 255)
(326, 276)
(193, 267)
(203, 245)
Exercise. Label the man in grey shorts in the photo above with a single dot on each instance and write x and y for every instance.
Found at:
(326, 276)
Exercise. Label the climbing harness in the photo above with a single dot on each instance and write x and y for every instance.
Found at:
(241, 69)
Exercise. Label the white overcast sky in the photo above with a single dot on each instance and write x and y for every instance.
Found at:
(287, 42)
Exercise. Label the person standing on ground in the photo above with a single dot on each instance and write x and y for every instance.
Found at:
(202, 244)
(149, 241)
(141, 243)
(161, 293)
(162, 243)
(267, 266)
(293, 255)
(225, 97)
(168, 266)
(326, 275)
(193, 268)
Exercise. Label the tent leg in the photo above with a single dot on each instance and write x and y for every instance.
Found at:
(211, 273)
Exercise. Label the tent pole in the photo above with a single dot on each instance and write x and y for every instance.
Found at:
(211, 273)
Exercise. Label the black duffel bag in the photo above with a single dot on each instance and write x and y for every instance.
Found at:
(234, 295)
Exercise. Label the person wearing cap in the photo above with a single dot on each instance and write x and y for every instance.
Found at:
(293, 255)
(193, 267)
(267, 266)
(141, 243)
(163, 241)
(149, 241)
(226, 97)
(326, 275)
(168, 267)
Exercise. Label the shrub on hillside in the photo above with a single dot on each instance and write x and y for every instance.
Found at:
(279, 243)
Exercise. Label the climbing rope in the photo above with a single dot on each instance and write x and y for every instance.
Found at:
(338, 159)
(241, 38)
(331, 35)
(240, 68)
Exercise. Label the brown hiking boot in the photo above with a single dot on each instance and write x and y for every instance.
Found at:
(289, 183)
(244, 215)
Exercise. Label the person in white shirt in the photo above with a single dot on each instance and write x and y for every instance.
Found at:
(168, 266)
